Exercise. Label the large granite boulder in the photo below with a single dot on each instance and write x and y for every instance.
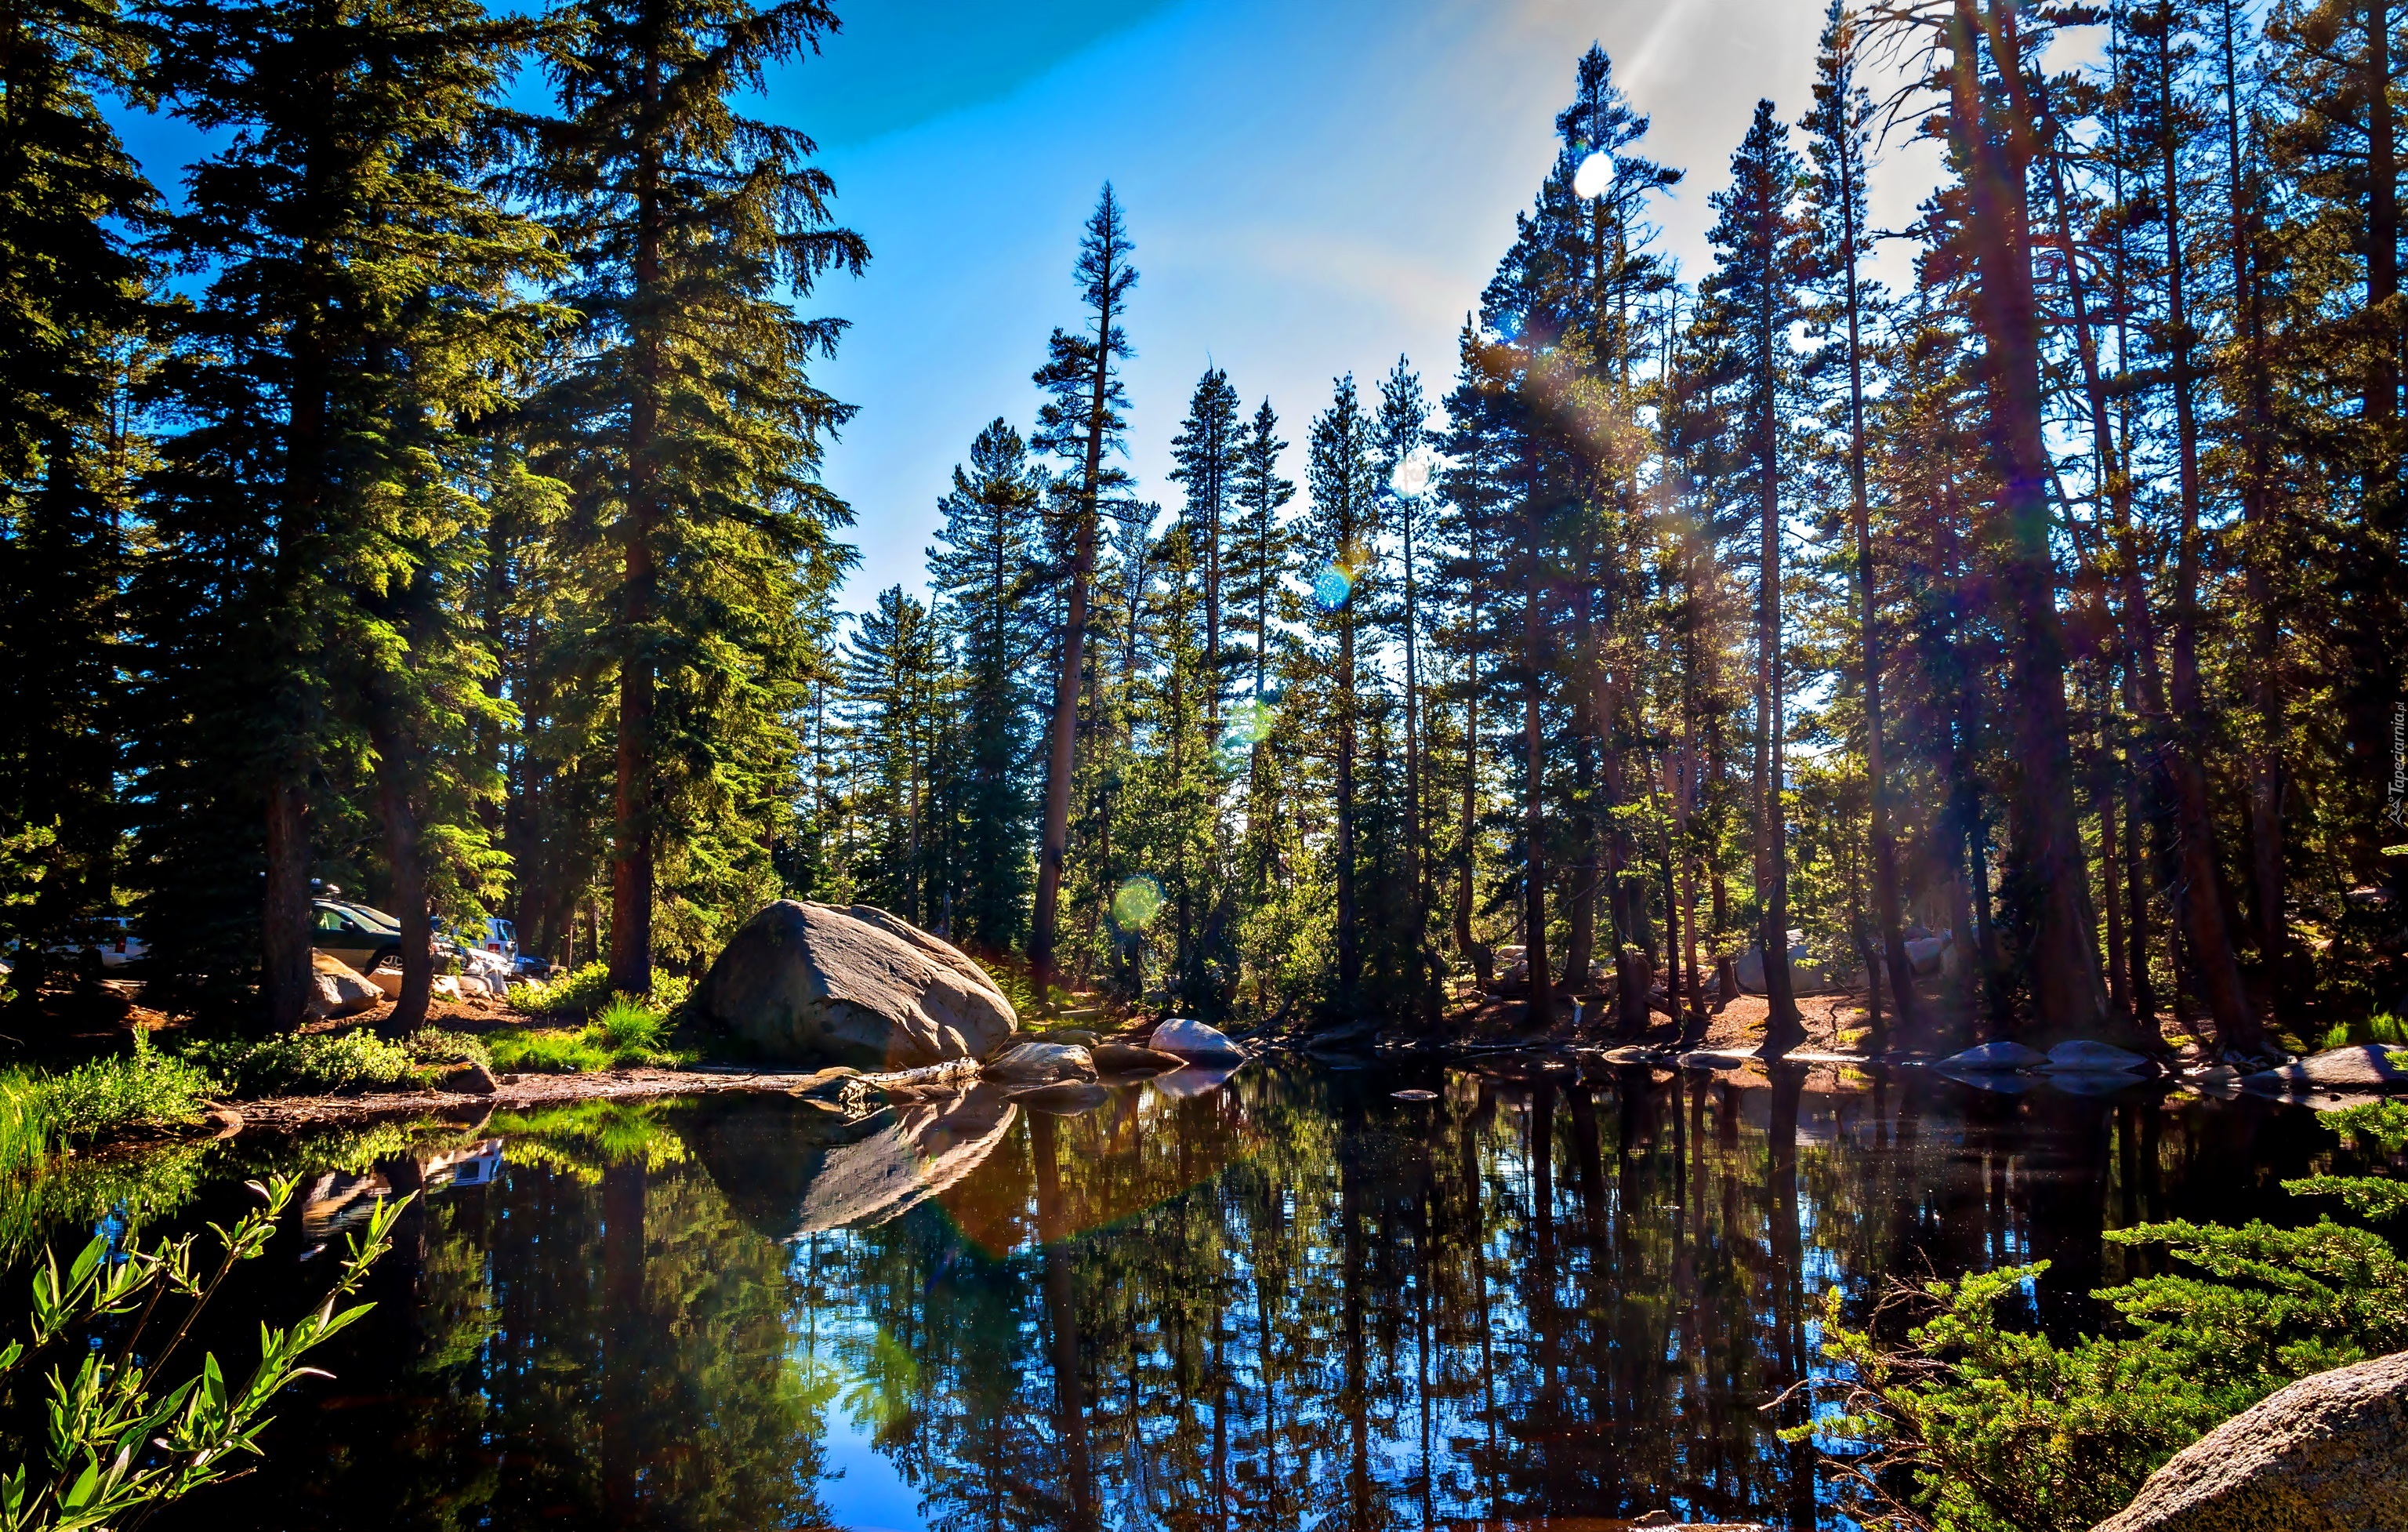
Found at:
(2372, 1068)
(816, 983)
(2330, 1454)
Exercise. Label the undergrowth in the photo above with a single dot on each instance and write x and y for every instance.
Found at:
(1971, 1425)
(41, 1114)
(624, 1032)
(2382, 1026)
(586, 992)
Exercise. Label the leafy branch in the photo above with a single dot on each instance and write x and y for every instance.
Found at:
(119, 1447)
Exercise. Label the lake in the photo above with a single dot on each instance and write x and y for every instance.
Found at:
(1549, 1296)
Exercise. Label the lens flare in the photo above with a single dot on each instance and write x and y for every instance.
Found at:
(1250, 720)
(1413, 475)
(1595, 174)
(1331, 587)
(1136, 903)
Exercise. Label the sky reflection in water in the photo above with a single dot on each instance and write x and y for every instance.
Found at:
(1278, 1300)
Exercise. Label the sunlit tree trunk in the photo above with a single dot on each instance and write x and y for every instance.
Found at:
(2058, 945)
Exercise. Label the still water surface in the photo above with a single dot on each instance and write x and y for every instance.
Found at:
(1283, 1299)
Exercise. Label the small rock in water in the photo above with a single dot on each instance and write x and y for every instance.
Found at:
(1128, 1058)
(1192, 1039)
(1416, 1093)
(2083, 1056)
(1996, 1056)
(1041, 1064)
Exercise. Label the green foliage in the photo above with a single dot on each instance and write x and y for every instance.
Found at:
(307, 1064)
(144, 1089)
(627, 1032)
(628, 1025)
(120, 1442)
(587, 991)
(42, 1113)
(2382, 1026)
(1975, 1427)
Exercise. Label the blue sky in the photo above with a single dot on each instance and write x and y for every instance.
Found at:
(1315, 187)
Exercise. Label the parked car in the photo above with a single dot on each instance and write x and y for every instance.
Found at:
(105, 943)
(355, 935)
(500, 937)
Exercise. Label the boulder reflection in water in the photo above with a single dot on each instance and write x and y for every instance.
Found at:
(851, 1176)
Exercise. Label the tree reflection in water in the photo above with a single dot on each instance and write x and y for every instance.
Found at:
(1290, 1301)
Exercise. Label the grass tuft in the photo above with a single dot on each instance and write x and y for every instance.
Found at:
(43, 1113)
(2382, 1027)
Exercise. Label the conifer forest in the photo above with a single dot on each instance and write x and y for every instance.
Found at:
(425, 498)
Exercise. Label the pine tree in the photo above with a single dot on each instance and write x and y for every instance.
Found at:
(1339, 531)
(1262, 545)
(1754, 301)
(983, 569)
(1204, 456)
(1399, 435)
(1080, 422)
(1992, 129)
(1840, 142)
(685, 423)
(891, 668)
(363, 290)
(73, 315)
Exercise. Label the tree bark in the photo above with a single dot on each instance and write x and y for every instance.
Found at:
(631, 825)
(1063, 745)
(408, 868)
(2069, 992)
(1884, 842)
(1534, 808)
(287, 984)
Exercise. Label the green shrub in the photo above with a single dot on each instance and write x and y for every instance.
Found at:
(587, 992)
(307, 1064)
(145, 1089)
(1972, 1427)
(579, 991)
(628, 1025)
(2380, 1027)
(433, 1046)
(42, 1113)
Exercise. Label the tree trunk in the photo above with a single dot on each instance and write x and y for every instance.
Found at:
(1061, 754)
(1885, 843)
(1350, 947)
(631, 797)
(1783, 1028)
(2058, 944)
(2211, 937)
(1534, 808)
(1580, 901)
(394, 763)
(1469, 827)
(286, 981)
